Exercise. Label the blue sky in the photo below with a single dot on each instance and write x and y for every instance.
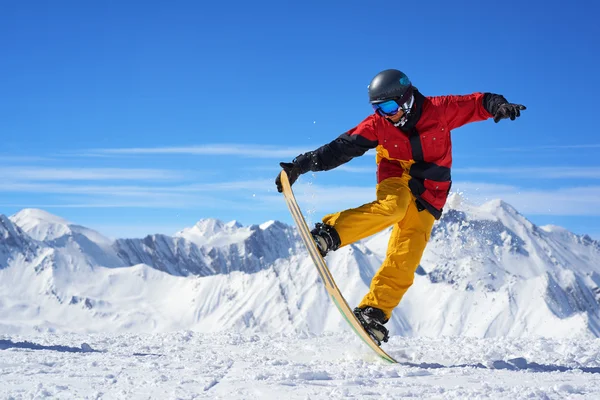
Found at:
(139, 117)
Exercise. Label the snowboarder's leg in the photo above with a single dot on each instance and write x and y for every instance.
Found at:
(393, 199)
(405, 249)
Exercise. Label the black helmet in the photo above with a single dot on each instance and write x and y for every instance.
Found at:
(390, 84)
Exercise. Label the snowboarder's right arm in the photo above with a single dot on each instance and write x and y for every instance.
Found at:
(354, 143)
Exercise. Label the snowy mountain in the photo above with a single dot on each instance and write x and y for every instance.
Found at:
(87, 246)
(211, 247)
(487, 271)
(499, 274)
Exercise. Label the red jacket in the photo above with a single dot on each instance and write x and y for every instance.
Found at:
(422, 148)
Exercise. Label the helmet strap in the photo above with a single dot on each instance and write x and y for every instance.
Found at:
(401, 122)
(407, 113)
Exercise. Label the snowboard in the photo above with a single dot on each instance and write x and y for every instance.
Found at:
(326, 277)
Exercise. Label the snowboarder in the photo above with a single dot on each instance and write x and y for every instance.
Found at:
(411, 134)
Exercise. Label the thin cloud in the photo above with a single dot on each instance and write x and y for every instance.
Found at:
(136, 190)
(234, 149)
(88, 174)
(240, 150)
(135, 200)
(536, 172)
(6, 158)
(315, 199)
(559, 201)
(358, 170)
(240, 195)
(553, 147)
(156, 203)
(258, 184)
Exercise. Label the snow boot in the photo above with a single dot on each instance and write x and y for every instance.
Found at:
(326, 238)
(372, 319)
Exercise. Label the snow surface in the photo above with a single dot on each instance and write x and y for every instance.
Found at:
(190, 365)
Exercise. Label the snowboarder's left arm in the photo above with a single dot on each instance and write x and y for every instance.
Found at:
(353, 143)
(461, 110)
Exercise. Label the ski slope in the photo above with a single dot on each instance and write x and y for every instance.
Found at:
(188, 365)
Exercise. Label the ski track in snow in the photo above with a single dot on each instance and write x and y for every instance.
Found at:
(188, 365)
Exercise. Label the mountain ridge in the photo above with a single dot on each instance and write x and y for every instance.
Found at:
(487, 261)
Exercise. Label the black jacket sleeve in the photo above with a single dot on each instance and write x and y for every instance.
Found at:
(334, 154)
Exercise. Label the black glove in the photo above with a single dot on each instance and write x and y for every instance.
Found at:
(292, 170)
(500, 108)
(508, 110)
(300, 165)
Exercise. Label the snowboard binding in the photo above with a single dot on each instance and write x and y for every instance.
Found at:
(326, 238)
(372, 320)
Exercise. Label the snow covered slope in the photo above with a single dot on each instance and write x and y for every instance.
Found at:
(487, 271)
(228, 365)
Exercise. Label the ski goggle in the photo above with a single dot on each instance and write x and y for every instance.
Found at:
(391, 107)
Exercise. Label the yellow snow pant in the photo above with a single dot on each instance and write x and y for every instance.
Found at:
(395, 205)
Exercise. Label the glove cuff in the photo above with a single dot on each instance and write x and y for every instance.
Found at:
(492, 101)
(303, 162)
